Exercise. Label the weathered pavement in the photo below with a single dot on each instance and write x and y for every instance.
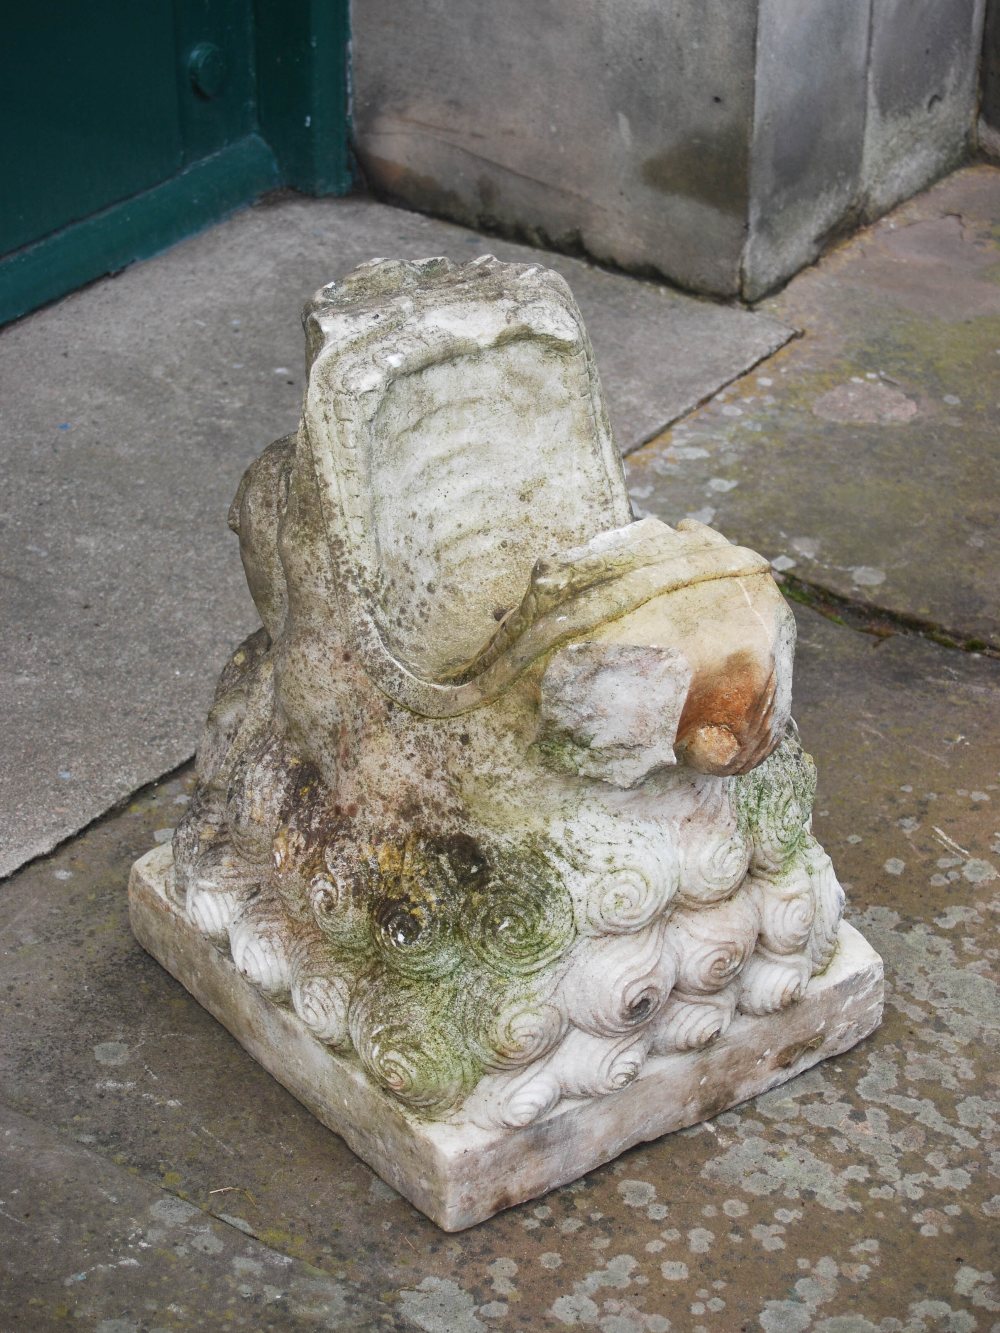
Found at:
(152, 1177)
(864, 457)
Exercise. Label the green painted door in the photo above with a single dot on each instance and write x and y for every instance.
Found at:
(126, 124)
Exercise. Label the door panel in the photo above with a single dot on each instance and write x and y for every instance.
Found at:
(215, 37)
(127, 124)
(89, 108)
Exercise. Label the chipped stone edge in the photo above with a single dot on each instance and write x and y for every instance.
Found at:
(459, 1174)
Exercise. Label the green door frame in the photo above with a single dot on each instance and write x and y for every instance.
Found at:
(301, 141)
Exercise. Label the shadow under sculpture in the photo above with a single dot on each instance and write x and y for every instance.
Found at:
(500, 854)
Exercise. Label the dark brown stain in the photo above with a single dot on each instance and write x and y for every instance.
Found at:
(793, 1054)
(399, 182)
(711, 168)
(721, 1100)
(487, 191)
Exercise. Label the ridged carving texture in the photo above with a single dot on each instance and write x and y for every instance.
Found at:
(619, 983)
(625, 873)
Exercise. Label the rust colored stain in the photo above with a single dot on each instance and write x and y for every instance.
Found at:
(725, 727)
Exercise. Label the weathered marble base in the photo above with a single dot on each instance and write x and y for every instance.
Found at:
(459, 1174)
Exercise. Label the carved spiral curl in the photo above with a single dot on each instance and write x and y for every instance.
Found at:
(292, 866)
(211, 880)
(416, 939)
(415, 889)
(619, 983)
(522, 922)
(628, 871)
(322, 1003)
(214, 891)
(409, 1042)
(213, 911)
(787, 907)
(320, 991)
(512, 1101)
(258, 940)
(770, 982)
(692, 1022)
(512, 1028)
(775, 801)
(713, 864)
(713, 944)
(589, 1066)
(338, 904)
(778, 835)
(829, 899)
(625, 900)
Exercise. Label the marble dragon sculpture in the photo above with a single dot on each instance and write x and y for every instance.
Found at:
(504, 799)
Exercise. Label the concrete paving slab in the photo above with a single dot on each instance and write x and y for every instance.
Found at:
(130, 411)
(855, 1197)
(863, 458)
(85, 1240)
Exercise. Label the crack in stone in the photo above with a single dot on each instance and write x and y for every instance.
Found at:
(878, 621)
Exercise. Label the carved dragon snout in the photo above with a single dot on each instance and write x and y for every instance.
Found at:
(699, 673)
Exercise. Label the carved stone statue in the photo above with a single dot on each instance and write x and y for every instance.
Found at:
(502, 826)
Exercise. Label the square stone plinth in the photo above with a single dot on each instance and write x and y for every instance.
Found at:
(459, 1174)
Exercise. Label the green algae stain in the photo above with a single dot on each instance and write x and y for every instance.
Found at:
(452, 991)
(522, 922)
(774, 801)
(409, 1039)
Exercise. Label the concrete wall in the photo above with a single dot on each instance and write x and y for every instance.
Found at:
(922, 88)
(808, 131)
(619, 128)
(718, 143)
(989, 104)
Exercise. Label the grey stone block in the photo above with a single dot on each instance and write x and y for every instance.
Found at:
(921, 95)
(864, 459)
(808, 133)
(624, 129)
(718, 145)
